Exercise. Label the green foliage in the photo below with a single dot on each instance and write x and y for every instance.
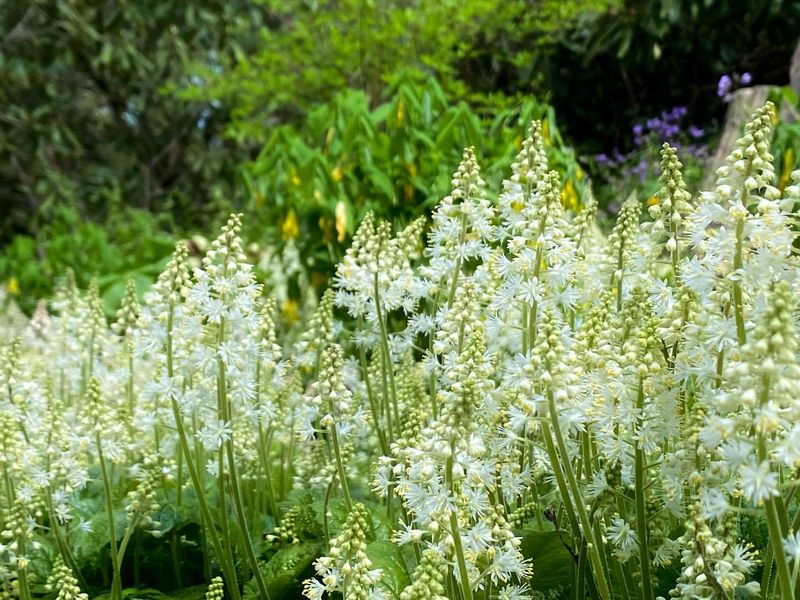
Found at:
(127, 245)
(82, 118)
(315, 181)
(554, 564)
(308, 50)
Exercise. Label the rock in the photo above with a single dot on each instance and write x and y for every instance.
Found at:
(742, 106)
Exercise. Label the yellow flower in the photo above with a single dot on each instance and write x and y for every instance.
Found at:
(12, 285)
(341, 221)
(294, 177)
(546, 132)
(401, 112)
(337, 174)
(326, 226)
(569, 196)
(289, 311)
(788, 162)
(579, 174)
(652, 201)
(290, 228)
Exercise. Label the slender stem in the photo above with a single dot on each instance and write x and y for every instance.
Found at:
(236, 492)
(774, 528)
(593, 548)
(373, 407)
(232, 585)
(466, 587)
(339, 462)
(737, 287)
(116, 584)
(388, 369)
(641, 508)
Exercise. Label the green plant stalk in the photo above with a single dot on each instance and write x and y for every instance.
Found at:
(774, 528)
(620, 263)
(466, 587)
(373, 407)
(387, 367)
(675, 254)
(116, 583)
(524, 318)
(641, 509)
(232, 585)
(457, 269)
(22, 575)
(737, 287)
(537, 270)
(236, 492)
(593, 547)
(264, 445)
(561, 483)
(339, 462)
(22, 572)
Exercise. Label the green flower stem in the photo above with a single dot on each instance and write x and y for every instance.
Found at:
(232, 585)
(737, 286)
(561, 483)
(116, 583)
(339, 462)
(265, 441)
(373, 406)
(236, 492)
(387, 368)
(524, 327)
(593, 547)
(22, 574)
(641, 508)
(774, 519)
(466, 587)
(457, 269)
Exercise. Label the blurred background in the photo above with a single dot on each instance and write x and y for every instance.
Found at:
(126, 125)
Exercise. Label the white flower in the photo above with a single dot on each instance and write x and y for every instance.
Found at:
(623, 537)
(791, 545)
(758, 482)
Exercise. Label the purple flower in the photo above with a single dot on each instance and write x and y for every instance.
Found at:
(724, 86)
(696, 132)
(746, 78)
(602, 159)
(640, 170)
(638, 129)
(678, 112)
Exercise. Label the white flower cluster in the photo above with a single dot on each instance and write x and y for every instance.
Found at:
(522, 374)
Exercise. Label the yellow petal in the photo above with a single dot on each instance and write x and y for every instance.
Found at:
(12, 285)
(289, 310)
(341, 221)
(290, 228)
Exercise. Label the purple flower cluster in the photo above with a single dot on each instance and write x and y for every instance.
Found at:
(728, 83)
(643, 160)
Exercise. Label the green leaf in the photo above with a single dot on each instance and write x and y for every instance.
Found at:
(553, 565)
(381, 181)
(386, 556)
